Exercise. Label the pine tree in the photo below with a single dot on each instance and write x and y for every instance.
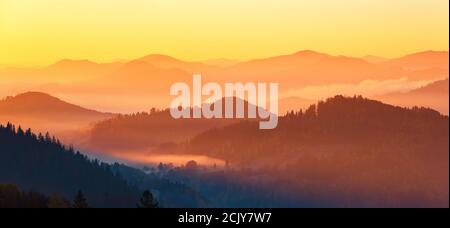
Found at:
(147, 201)
(80, 201)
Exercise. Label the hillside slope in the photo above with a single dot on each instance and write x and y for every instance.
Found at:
(348, 151)
(434, 95)
(46, 113)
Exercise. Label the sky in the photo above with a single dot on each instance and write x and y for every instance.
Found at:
(40, 32)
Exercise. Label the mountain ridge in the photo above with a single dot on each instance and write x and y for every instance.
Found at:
(30, 101)
(46, 113)
(434, 95)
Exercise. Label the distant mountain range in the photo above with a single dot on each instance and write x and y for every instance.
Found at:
(307, 68)
(168, 62)
(154, 74)
(374, 59)
(221, 62)
(422, 60)
(79, 68)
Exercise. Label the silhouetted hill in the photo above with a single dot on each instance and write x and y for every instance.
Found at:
(428, 65)
(140, 77)
(338, 118)
(35, 103)
(41, 163)
(156, 130)
(307, 68)
(146, 131)
(77, 70)
(46, 113)
(347, 151)
(438, 87)
(427, 59)
(152, 76)
(434, 95)
(63, 71)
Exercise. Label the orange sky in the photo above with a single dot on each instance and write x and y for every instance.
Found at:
(39, 32)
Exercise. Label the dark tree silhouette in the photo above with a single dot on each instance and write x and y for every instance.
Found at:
(40, 162)
(80, 201)
(11, 196)
(147, 201)
(349, 143)
(143, 130)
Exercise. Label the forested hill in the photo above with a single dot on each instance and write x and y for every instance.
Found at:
(146, 130)
(345, 151)
(41, 163)
(336, 121)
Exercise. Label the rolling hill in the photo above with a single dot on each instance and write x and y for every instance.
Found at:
(167, 62)
(44, 113)
(308, 68)
(41, 163)
(427, 59)
(434, 95)
(147, 80)
(63, 71)
(347, 151)
(142, 77)
(156, 132)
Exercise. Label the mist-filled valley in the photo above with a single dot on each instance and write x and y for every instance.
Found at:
(352, 132)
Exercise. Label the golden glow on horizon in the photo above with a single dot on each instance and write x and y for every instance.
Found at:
(38, 32)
